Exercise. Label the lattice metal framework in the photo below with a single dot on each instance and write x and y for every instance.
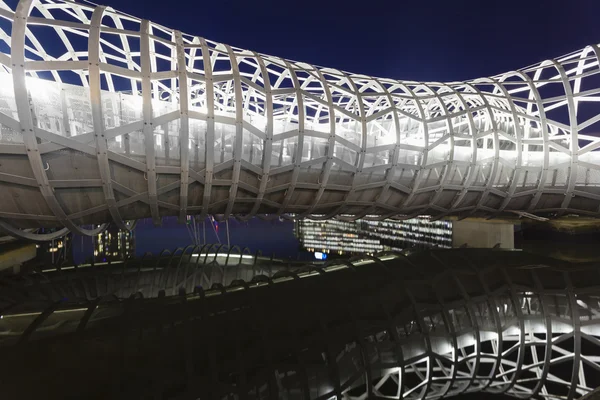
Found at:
(106, 117)
(428, 325)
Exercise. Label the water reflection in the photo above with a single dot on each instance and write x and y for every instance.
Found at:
(269, 237)
(298, 240)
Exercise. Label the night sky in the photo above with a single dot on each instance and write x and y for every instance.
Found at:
(413, 40)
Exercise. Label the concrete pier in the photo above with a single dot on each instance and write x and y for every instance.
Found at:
(483, 234)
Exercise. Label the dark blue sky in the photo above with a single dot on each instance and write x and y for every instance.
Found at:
(420, 40)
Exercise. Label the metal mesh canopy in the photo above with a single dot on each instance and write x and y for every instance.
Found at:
(427, 325)
(106, 117)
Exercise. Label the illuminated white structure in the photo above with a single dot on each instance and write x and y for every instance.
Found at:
(109, 118)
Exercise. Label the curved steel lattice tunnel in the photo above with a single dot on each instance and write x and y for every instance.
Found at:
(424, 325)
(106, 117)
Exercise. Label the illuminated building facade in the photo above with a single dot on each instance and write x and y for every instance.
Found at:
(367, 236)
(57, 251)
(114, 244)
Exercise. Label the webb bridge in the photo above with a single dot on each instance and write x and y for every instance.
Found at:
(110, 118)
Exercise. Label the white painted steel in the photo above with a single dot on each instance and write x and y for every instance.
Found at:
(178, 124)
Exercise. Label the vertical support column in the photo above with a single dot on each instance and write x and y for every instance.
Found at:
(492, 177)
(467, 178)
(574, 143)
(268, 146)
(97, 116)
(520, 134)
(471, 173)
(493, 308)
(472, 314)
(576, 324)
(300, 145)
(239, 131)
(548, 322)
(426, 339)
(26, 119)
(483, 234)
(148, 128)
(184, 127)
(451, 329)
(166, 142)
(521, 320)
(448, 167)
(393, 331)
(65, 112)
(534, 93)
(361, 157)
(330, 143)
(391, 171)
(193, 136)
(210, 128)
(418, 177)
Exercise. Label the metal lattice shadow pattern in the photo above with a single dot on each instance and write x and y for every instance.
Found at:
(108, 118)
(429, 324)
